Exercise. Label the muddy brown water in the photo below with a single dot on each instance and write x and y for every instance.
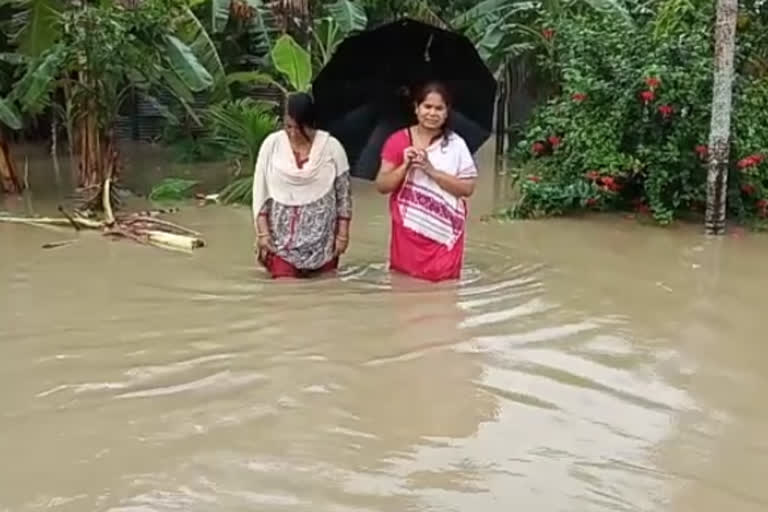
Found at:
(588, 364)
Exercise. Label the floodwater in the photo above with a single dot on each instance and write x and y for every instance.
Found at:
(591, 364)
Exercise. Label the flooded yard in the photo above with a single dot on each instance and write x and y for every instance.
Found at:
(586, 364)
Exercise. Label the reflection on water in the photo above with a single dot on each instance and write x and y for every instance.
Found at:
(579, 365)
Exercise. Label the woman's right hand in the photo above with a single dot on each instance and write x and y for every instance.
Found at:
(264, 246)
(410, 155)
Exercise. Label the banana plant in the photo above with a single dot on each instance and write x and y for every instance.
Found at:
(102, 54)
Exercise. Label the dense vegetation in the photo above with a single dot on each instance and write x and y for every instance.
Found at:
(623, 88)
(629, 124)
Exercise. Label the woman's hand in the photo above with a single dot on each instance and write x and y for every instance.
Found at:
(410, 155)
(421, 161)
(340, 245)
(263, 246)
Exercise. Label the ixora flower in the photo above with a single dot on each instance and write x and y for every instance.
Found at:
(609, 183)
(751, 161)
(538, 148)
(666, 111)
(748, 189)
(647, 96)
(592, 201)
(762, 208)
(652, 82)
(534, 179)
(578, 97)
(548, 34)
(554, 141)
(593, 175)
(702, 151)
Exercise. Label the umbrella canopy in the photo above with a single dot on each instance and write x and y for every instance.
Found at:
(365, 92)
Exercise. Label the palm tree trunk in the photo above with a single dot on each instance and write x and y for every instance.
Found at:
(9, 180)
(720, 127)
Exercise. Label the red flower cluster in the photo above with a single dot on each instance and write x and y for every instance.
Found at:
(548, 34)
(554, 141)
(751, 161)
(534, 179)
(652, 82)
(647, 96)
(593, 175)
(605, 182)
(748, 189)
(609, 183)
(538, 148)
(578, 97)
(762, 208)
(592, 201)
(666, 111)
(702, 151)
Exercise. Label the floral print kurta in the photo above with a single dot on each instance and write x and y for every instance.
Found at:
(305, 235)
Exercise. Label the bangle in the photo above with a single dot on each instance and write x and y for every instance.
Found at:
(341, 237)
(262, 235)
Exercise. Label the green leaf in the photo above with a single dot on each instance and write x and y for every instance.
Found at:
(239, 127)
(253, 77)
(8, 115)
(172, 189)
(263, 27)
(349, 16)
(191, 31)
(421, 10)
(13, 59)
(186, 65)
(249, 77)
(219, 15)
(293, 61)
(34, 87)
(37, 25)
(612, 7)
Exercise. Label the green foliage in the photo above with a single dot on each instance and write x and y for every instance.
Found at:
(173, 189)
(112, 49)
(239, 127)
(189, 29)
(342, 19)
(349, 16)
(185, 64)
(293, 62)
(600, 144)
(239, 191)
(34, 25)
(630, 126)
(9, 116)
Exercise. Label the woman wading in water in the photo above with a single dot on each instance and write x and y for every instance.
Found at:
(302, 202)
(428, 171)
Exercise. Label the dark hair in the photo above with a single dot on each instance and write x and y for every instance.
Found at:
(438, 88)
(301, 108)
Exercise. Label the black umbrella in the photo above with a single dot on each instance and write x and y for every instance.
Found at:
(364, 93)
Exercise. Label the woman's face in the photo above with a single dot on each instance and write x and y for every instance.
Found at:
(432, 112)
(293, 129)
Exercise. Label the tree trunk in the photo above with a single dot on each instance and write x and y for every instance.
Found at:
(98, 163)
(720, 127)
(9, 180)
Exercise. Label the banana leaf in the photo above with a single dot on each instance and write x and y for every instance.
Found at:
(184, 62)
(8, 115)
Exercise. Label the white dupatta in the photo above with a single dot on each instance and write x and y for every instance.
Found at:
(277, 175)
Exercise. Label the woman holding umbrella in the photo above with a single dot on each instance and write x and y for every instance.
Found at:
(429, 172)
(301, 196)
